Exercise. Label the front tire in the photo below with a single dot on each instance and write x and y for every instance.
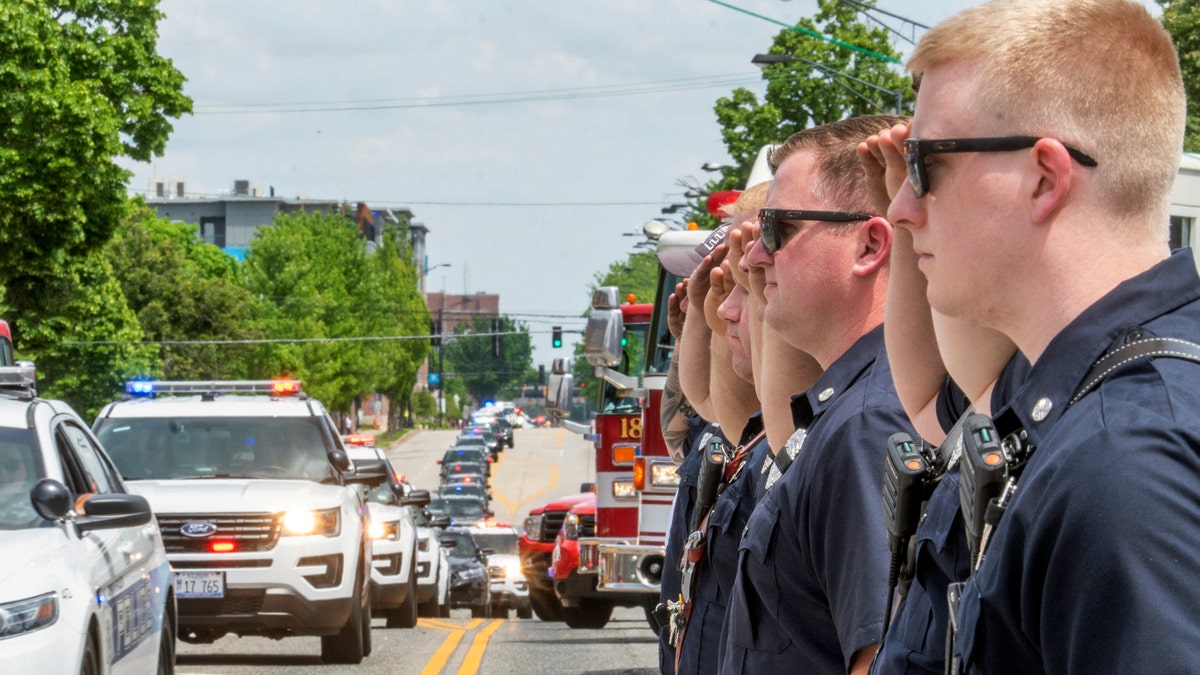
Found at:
(166, 644)
(347, 645)
(545, 604)
(91, 657)
(405, 616)
(524, 612)
(589, 614)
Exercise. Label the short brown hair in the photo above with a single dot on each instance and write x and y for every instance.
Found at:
(1099, 74)
(840, 175)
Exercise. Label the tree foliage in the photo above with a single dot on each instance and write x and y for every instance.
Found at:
(314, 281)
(800, 95)
(82, 84)
(182, 288)
(1181, 18)
(88, 308)
(469, 354)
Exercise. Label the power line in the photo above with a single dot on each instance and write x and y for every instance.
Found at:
(605, 91)
(810, 33)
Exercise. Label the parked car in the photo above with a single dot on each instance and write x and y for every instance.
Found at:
(470, 585)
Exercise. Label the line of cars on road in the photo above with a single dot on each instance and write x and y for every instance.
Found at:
(484, 565)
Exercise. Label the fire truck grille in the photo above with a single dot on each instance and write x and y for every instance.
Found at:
(251, 531)
(551, 523)
(587, 526)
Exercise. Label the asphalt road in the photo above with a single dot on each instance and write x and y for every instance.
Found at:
(545, 463)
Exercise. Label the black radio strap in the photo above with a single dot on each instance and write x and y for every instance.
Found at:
(1158, 347)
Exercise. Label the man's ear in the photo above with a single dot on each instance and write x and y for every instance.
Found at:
(1054, 171)
(873, 246)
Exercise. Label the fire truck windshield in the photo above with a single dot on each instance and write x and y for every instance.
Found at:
(659, 357)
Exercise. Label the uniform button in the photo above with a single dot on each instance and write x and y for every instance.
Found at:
(825, 395)
(1133, 336)
(1041, 409)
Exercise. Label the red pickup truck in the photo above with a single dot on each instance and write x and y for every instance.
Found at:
(537, 548)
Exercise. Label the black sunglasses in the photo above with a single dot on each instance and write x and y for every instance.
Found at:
(916, 149)
(769, 220)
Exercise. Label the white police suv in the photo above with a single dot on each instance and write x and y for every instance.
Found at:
(257, 501)
(393, 540)
(85, 586)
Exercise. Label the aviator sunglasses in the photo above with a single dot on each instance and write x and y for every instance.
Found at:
(915, 150)
(769, 221)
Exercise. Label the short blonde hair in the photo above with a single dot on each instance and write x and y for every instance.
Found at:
(751, 200)
(1100, 74)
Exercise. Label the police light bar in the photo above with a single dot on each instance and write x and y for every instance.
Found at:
(359, 439)
(154, 387)
(19, 380)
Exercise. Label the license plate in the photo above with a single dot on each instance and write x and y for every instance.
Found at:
(199, 584)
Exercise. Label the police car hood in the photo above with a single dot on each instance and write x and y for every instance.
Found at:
(235, 495)
(28, 557)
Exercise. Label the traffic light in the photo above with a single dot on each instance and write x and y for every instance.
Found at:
(497, 327)
(556, 337)
(541, 374)
(435, 333)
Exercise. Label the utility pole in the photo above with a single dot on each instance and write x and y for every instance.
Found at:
(441, 383)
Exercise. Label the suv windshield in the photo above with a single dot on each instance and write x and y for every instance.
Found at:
(464, 546)
(216, 447)
(457, 507)
(20, 468)
(502, 541)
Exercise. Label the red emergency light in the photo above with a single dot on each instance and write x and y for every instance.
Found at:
(222, 546)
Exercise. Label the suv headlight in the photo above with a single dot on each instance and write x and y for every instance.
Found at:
(533, 527)
(303, 522)
(28, 615)
(384, 530)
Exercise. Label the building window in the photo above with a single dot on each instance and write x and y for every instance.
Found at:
(1181, 232)
(212, 230)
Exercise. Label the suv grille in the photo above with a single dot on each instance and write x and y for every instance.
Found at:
(251, 531)
(587, 526)
(551, 523)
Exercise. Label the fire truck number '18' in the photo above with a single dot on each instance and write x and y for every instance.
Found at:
(631, 427)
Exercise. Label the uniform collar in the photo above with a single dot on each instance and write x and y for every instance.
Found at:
(837, 379)
(753, 425)
(1111, 321)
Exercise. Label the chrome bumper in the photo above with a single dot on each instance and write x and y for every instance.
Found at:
(629, 568)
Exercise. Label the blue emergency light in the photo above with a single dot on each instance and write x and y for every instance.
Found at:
(140, 388)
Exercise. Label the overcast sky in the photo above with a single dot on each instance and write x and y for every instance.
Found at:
(419, 125)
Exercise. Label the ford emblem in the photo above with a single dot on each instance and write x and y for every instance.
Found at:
(197, 528)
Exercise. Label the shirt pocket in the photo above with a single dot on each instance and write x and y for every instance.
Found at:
(759, 630)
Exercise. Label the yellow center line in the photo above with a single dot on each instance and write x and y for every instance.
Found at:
(473, 624)
(562, 434)
(474, 657)
(511, 507)
(440, 625)
(442, 655)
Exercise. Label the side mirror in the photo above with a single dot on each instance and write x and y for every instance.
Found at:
(51, 499)
(442, 521)
(587, 487)
(437, 461)
(448, 543)
(368, 473)
(415, 498)
(107, 511)
(339, 459)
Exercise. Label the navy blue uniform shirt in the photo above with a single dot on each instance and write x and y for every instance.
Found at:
(729, 515)
(699, 431)
(916, 640)
(1093, 568)
(812, 574)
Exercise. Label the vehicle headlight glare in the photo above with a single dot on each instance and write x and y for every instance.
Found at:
(303, 522)
(663, 474)
(623, 489)
(533, 527)
(28, 615)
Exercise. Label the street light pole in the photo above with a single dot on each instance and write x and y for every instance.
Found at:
(763, 60)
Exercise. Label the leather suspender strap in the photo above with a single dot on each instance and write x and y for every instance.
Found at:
(1163, 347)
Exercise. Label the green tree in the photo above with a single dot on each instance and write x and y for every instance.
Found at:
(82, 85)
(1181, 18)
(182, 288)
(89, 308)
(310, 274)
(800, 95)
(424, 405)
(396, 308)
(469, 354)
